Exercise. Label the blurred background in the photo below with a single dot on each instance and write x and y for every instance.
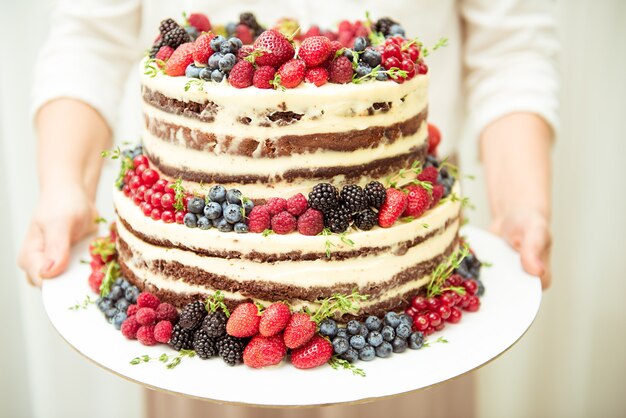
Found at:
(570, 364)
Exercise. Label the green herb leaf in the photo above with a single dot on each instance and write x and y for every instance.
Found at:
(83, 305)
(338, 363)
(444, 270)
(338, 304)
(111, 274)
(215, 302)
(267, 232)
(179, 194)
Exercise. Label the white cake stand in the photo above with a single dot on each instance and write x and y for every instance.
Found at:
(509, 306)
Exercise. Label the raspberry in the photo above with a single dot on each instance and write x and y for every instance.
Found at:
(275, 205)
(132, 309)
(95, 280)
(130, 327)
(334, 47)
(200, 21)
(259, 219)
(315, 50)
(202, 49)
(284, 223)
(291, 73)
(241, 75)
(167, 312)
(438, 191)
(429, 174)
(148, 300)
(245, 34)
(316, 75)
(165, 52)
(145, 335)
(395, 204)
(275, 47)
(245, 51)
(163, 331)
(311, 222)
(180, 59)
(262, 77)
(145, 316)
(296, 205)
(418, 201)
(340, 70)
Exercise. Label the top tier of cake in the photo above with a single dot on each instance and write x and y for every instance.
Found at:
(266, 142)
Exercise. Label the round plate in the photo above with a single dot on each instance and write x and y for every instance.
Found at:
(508, 308)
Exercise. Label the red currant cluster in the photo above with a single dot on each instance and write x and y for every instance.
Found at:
(431, 313)
(402, 53)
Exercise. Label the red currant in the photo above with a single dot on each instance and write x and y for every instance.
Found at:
(470, 286)
(392, 50)
(399, 80)
(149, 177)
(134, 182)
(141, 190)
(137, 199)
(455, 315)
(391, 62)
(410, 311)
(167, 216)
(155, 200)
(419, 303)
(433, 303)
(126, 190)
(444, 311)
(448, 299)
(464, 301)
(420, 322)
(159, 185)
(414, 53)
(455, 280)
(440, 326)
(186, 200)
(167, 201)
(156, 214)
(140, 169)
(422, 68)
(141, 159)
(407, 65)
(147, 196)
(474, 303)
(179, 216)
(147, 208)
(434, 319)
(428, 331)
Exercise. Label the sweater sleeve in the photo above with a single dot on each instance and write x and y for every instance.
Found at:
(510, 60)
(87, 56)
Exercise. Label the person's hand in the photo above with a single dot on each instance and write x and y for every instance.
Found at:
(63, 217)
(528, 232)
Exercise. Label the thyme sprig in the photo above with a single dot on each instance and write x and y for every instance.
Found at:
(111, 274)
(83, 305)
(170, 360)
(338, 304)
(179, 194)
(152, 67)
(215, 302)
(267, 232)
(328, 244)
(444, 270)
(442, 42)
(465, 201)
(338, 363)
(196, 83)
(415, 169)
(126, 163)
(440, 340)
(393, 72)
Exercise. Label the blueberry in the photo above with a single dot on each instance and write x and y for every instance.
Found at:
(340, 345)
(462, 270)
(116, 292)
(233, 196)
(216, 42)
(388, 333)
(224, 204)
(371, 57)
(432, 160)
(227, 62)
(213, 210)
(403, 331)
(122, 305)
(364, 331)
(248, 204)
(416, 340)
(227, 48)
(125, 285)
(380, 76)
(367, 353)
(214, 60)
(236, 43)
(348, 54)
(375, 338)
(392, 319)
(407, 320)
(217, 193)
(342, 332)
(192, 71)
(205, 74)
(481, 288)
(118, 319)
(328, 328)
(231, 27)
(396, 30)
(399, 345)
(192, 32)
(384, 350)
(224, 226)
(363, 69)
(360, 44)
(204, 223)
(190, 220)
(217, 76)
(118, 281)
(353, 327)
(241, 228)
(196, 205)
(104, 304)
(357, 341)
(110, 313)
(131, 294)
(373, 323)
(350, 355)
(232, 213)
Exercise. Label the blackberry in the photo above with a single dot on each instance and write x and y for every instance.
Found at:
(176, 37)
(192, 315)
(383, 25)
(181, 339)
(366, 220)
(231, 349)
(338, 220)
(324, 197)
(155, 48)
(204, 345)
(168, 25)
(214, 324)
(375, 193)
(354, 198)
(250, 21)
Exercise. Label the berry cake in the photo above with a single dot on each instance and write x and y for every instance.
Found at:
(281, 168)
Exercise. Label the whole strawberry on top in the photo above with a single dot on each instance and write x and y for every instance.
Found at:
(274, 47)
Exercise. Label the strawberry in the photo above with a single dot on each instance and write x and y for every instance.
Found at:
(313, 31)
(291, 73)
(180, 59)
(244, 51)
(244, 321)
(434, 138)
(165, 52)
(200, 21)
(394, 205)
(274, 319)
(264, 351)
(340, 70)
(418, 201)
(245, 34)
(263, 76)
(429, 174)
(438, 191)
(316, 75)
(202, 49)
(102, 249)
(275, 47)
(315, 50)
(315, 353)
(241, 75)
(299, 330)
